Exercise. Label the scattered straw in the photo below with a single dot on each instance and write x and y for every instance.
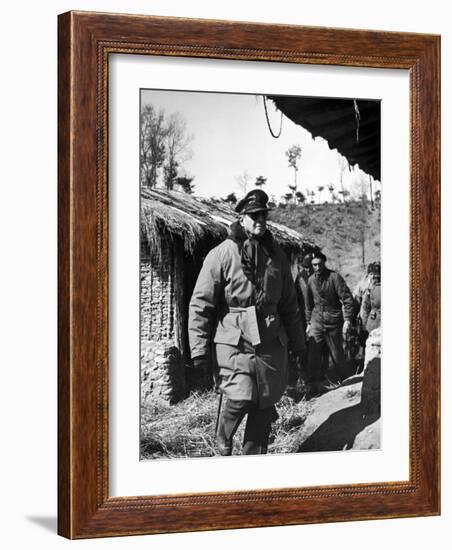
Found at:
(187, 429)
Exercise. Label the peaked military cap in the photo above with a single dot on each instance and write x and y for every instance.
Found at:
(254, 201)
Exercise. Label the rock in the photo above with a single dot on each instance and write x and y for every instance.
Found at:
(334, 420)
(347, 417)
(369, 437)
(371, 390)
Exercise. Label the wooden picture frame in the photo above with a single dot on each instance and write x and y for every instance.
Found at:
(86, 40)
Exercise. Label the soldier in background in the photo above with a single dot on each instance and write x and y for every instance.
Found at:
(329, 313)
(362, 286)
(371, 304)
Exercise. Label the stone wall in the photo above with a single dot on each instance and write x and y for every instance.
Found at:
(157, 296)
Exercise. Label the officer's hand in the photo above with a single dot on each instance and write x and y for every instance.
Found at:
(201, 363)
(346, 328)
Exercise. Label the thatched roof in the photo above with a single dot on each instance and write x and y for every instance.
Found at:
(199, 223)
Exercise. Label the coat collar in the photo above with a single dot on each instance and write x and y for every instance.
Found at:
(322, 276)
(239, 236)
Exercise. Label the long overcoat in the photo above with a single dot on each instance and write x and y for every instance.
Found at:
(251, 348)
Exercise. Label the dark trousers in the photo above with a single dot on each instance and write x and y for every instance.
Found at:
(257, 429)
(324, 342)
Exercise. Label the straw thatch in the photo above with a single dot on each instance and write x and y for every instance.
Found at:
(199, 223)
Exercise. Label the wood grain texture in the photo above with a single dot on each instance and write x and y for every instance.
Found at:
(85, 42)
(64, 296)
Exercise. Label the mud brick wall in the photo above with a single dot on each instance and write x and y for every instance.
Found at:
(157, 296)
(162, 365)
(162, 372)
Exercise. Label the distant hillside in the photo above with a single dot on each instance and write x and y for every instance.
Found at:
(339, 230)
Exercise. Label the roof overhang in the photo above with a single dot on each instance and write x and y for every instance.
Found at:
(353, 127)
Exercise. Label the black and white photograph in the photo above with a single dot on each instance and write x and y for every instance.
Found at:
(260, 270)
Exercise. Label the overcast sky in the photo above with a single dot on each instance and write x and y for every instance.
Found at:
(231, 135)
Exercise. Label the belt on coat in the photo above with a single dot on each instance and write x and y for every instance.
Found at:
(332, 309)
(247, 320)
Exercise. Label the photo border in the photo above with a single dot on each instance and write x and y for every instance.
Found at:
(85, 41)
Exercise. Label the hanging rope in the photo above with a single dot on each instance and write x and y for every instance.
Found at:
(268, 121)
(358, 118)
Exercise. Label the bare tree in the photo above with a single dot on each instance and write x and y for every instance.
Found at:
(177, 143)
(152, 144)
(343, 165)
(293, 155)
(320, 189)
(243, 180)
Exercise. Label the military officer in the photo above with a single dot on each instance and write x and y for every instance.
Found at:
(244, 299)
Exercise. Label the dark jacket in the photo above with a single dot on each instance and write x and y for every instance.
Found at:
(329, 300)
(218, 309)
(301, 288)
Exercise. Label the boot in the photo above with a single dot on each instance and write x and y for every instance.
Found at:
(224, 446)
(230, 419)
